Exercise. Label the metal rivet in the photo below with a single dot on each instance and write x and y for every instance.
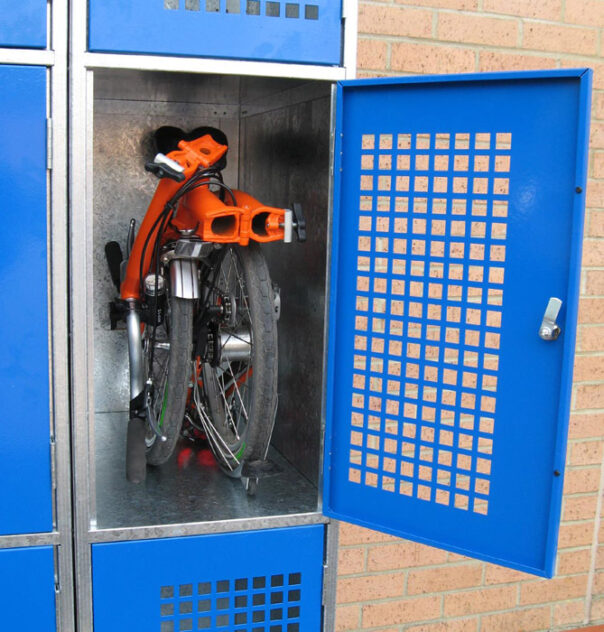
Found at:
(556, 472)
(579, 189)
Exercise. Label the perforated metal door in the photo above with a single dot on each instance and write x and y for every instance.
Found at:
(256, 581)
(267, 30)
(25, 493)
(23, 23)
(458, 213)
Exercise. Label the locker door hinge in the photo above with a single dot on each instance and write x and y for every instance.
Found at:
(49, 144)
(53, 462)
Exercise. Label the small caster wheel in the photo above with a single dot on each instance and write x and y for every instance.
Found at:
(250, 485)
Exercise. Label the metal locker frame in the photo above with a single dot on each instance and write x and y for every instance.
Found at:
(82, 68)
(54, 59)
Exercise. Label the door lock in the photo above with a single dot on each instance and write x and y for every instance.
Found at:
(549, 329)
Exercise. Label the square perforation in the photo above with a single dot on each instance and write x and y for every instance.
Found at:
(431, 268)
(271, 9)
(242, 604)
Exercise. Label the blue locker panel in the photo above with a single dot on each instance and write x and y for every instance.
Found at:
(265, 30)
(268, 581)
(458, 214)
(25, 494)
(27, 589)
(23, 23)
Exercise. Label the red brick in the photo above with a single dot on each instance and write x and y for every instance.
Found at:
(585, 12)
(403, 555)
(557, 589)
(458, 625)
(527, 620)
(575, 534)
(462, 5)
(560, 39)
(399, 21)
(402, 611)
(597, 612)
(461, 27)
(596, 226)
(600, 557)
(596, 135)
(500, 575)
(569, 613)
(589, 396)
(590, 338)
(594, 285)
(425, 58)
(586, 452)
(371, 54)
(351, 561)
(353, 534)
(593, 249)
(492, 61)
(347, 618)
(444, 578)
(582, 481)
(367, 587)
(589, 368)
(484, 600)
(573, 562)
(540, 9)
(599, 583)
(591, 310)
(598, 105)
(586, 425)
(597, 159)
(579, 508)
(594, 194)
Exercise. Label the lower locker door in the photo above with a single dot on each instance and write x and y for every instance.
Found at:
(458, 215)
(257, 581)
(27, 589)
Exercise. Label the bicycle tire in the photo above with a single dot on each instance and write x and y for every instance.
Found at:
(226, 403)
(171, 392)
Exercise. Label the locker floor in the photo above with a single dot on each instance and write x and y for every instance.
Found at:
(189, 488)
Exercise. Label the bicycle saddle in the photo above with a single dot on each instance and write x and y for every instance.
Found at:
(168, 137)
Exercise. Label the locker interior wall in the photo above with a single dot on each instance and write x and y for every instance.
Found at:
(285, 158)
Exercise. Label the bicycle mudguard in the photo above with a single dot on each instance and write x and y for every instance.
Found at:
(183, 278)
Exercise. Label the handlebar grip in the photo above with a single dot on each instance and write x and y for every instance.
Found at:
(164, 167)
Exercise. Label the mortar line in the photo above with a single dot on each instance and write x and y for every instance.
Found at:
(594, 550)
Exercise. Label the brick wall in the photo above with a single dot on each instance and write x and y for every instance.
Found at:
(391, 585)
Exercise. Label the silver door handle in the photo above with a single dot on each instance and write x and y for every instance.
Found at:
(549, 329)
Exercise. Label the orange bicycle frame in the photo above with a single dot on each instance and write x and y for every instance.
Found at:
(200, 212)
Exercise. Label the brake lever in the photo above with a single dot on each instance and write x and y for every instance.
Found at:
(164, 167)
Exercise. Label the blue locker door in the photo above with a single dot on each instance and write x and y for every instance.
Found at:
(256, 581)
(25, 493)
(263, 30)
(458, 213)
(27, 589)
(23, 23)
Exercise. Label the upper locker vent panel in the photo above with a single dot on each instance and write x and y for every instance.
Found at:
(260, 30)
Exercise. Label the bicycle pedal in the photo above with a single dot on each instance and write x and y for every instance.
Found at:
(114, 256)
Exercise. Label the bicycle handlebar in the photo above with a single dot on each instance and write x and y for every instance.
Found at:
(164, 167)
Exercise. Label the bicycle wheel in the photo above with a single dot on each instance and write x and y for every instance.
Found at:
(236, 389)
(169, 375)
